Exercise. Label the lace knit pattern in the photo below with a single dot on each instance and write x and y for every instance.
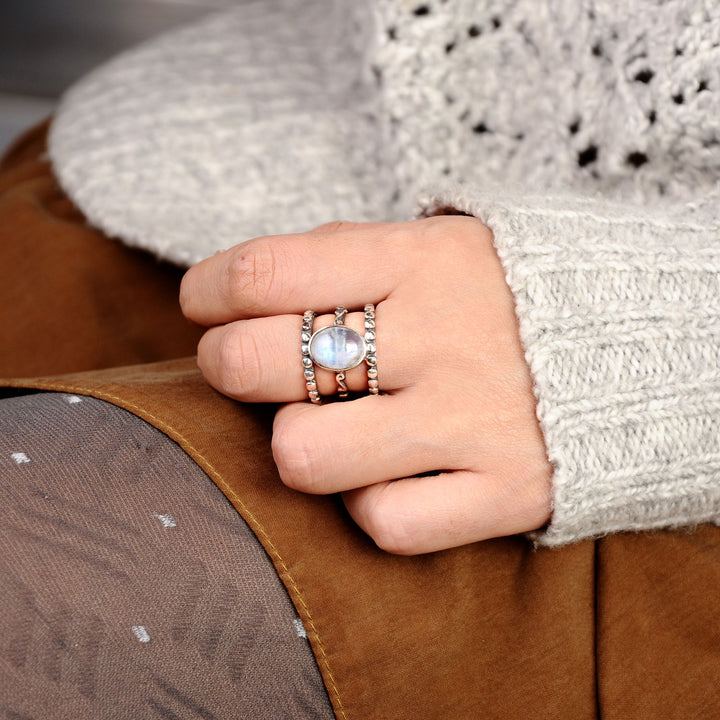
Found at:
(614, 99)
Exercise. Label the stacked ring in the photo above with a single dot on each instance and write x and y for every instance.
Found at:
(308, 367)
(340, 314)
(370, 358)
(338, 348)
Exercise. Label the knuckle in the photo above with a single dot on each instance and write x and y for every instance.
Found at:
(460, 236)
(238, 369)
(242, 357)
(388, 528)
(295, 456)
(255, 276)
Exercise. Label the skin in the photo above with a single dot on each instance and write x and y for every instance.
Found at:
(456, 400)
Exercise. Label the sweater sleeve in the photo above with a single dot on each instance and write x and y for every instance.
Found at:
(619, 316)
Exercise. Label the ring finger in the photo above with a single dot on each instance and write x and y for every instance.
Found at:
(259, 360)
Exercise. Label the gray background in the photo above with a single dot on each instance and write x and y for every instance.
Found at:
(46, 44)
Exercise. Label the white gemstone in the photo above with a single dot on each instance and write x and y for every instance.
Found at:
(337, 347)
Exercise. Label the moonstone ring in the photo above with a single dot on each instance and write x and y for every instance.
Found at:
(338, 348)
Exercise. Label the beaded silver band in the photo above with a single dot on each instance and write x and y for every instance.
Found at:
(308, 367)
(370, 358)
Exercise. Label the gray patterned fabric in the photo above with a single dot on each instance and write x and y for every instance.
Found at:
(129, 586)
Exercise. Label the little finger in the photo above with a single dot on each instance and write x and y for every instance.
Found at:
(424, 514)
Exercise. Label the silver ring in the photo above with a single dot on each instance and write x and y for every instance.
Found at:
(370, 358)
(308, 368)
(339, 348)
(340, 314)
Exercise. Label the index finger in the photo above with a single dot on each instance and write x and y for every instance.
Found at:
(282, 274)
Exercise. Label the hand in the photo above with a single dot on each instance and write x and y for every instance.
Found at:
(456, 406)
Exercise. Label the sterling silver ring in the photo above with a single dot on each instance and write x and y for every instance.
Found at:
(370, 358)
(338, 348)
(308, 368)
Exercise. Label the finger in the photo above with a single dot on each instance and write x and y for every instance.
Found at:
(424, 514)
(340, 446)
(259, 360)
(292, 273)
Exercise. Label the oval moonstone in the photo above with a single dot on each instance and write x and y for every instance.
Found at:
(337, 348)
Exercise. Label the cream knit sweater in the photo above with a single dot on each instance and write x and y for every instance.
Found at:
(586, 135)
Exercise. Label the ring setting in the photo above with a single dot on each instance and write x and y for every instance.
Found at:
(338, 348)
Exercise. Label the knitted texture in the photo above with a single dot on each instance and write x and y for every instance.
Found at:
(616, 99)
(619, 313)
(256, 121)
(599, 121)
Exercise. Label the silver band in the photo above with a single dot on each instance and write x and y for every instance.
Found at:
(308, 367)
(370, 358)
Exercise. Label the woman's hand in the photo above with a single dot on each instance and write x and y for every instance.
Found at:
(456, 394)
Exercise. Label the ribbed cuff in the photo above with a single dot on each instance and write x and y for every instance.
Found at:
(619, 315)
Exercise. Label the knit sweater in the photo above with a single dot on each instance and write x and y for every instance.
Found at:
(585, 135)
